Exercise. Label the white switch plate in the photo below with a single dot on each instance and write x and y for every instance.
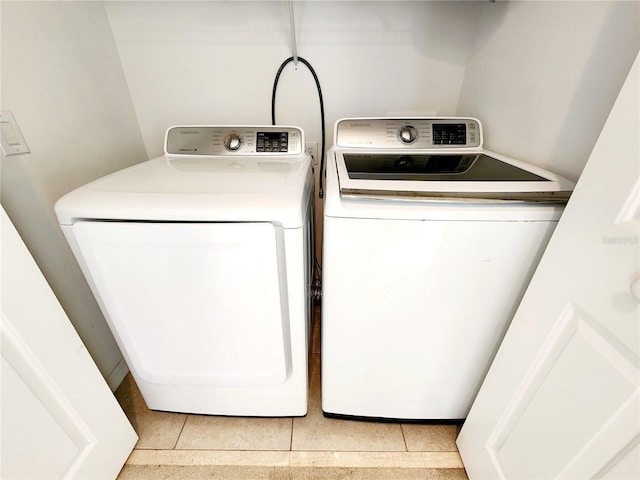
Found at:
(12, 140)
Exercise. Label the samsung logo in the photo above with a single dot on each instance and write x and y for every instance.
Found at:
(190, 132)
(360, 124)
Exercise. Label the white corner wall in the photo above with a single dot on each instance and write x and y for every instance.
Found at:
(214, 62)
(544, 75)
(62, 79)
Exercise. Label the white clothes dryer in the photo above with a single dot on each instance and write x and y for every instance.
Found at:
(429, 244)
(201, 263)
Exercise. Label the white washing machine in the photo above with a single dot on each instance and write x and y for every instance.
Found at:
(201, 263)
(429, 244)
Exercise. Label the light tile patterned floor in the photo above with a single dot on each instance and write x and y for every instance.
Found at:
(183, 446)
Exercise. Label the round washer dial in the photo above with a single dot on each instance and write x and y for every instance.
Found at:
(233, 142)
(407, 134)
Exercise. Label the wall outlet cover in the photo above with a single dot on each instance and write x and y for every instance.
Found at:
(311, 148)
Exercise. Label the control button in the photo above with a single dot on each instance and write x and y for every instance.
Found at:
(407, 134)
(233, 142)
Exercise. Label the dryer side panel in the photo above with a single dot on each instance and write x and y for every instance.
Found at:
(192, 303)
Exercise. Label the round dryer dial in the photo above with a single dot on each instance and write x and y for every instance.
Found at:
(407, 134)
(233, 142)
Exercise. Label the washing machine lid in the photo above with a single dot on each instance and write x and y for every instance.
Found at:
(479, 174)
(198, 188)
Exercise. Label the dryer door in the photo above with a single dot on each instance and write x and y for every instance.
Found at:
(192, 303)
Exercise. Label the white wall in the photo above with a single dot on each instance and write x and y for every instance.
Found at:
(215, 62)
(544, 75)
(62, 79)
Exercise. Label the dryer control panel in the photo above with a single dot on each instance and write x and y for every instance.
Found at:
(233, 140)
(409, 133)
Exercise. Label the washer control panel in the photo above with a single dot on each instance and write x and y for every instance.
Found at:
(233, 140)
(412, 133)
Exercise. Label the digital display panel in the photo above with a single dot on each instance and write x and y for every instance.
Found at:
(449, 134)
(272, 141)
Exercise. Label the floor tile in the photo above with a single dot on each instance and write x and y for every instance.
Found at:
(430, 438)
(210, 457)
(232, 472)
(377, 459)
(235, 433)
(156, 430)
(315, 432)
(203, 472)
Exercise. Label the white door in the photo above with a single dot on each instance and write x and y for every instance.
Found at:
(59, 418)
(561, 399)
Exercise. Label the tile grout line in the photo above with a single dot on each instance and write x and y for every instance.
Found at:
(290, 444)
(186, 418)
(404, 438)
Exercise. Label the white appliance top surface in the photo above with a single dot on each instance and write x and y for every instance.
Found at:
(434, 158)
(197, 188)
